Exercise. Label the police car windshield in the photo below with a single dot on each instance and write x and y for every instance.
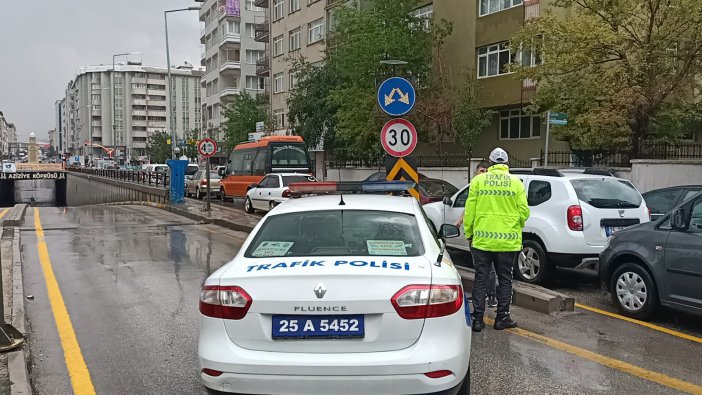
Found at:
(337, 233)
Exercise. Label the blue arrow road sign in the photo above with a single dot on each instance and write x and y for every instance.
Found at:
(396, 96)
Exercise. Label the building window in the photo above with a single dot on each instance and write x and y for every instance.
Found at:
(251, 6)
(295, 39)
(490, 6)
(315, 31)
(515, 124)
(253, 56)
(279, 118)
(425, 13)
(493, 60)
(278, 47)
(294, 6)
(233, 27)
(249, 30)
(293, 80)
(278, 83)
(278, 10)
(255, 83)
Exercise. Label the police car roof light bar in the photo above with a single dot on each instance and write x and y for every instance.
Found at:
(331, 187)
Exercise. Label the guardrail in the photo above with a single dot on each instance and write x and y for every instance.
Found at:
(152, 178)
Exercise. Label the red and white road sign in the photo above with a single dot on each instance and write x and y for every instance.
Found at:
(207, 147)
(399, 137)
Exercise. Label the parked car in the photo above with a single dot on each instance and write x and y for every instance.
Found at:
(272, 190)
(197, 185)
(661, 201)
(190, 170)
(430, 189)
(572, 214)
(658, 263)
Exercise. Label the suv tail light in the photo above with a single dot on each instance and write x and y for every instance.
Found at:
(427, 301)
(575, 218)
(226, 302)
(287, 193)
(203, 183)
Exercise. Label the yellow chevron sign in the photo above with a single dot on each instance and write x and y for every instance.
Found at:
(400, 171)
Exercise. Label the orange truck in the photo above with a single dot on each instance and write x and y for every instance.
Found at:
(250, 161)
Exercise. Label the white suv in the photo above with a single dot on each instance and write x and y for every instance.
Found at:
(573, 212)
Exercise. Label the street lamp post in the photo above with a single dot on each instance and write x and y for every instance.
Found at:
(170, 80)
(114, 121)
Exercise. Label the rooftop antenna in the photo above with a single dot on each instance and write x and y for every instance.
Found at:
(341, 202)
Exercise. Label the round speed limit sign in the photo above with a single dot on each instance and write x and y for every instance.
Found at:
(207, 147)
(399, 137)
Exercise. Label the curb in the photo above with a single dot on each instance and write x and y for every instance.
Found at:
(17, 360)
(528, 296)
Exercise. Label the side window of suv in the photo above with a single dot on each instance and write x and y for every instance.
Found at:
(539, 192)
(696, 217)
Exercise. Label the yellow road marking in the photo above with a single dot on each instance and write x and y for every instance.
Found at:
(2, 214)
(622, 366)
(77, 369)
(642, 323)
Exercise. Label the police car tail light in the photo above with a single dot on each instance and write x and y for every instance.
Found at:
(575, 218)
(427, 301)
(226, 302)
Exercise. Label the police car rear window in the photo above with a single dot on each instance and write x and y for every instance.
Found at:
(337, 233)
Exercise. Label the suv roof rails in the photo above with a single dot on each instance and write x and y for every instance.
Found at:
(521, 171)
(545, 171)
(598, 172)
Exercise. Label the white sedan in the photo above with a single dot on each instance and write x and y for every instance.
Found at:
(337, 295)
(272, 190)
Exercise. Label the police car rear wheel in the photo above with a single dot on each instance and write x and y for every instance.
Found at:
(248, 207)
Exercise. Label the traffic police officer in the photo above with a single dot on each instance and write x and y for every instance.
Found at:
(496, 210)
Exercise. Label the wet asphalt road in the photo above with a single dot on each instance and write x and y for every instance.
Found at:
(130, 278)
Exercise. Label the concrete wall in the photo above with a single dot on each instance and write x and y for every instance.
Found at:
(83, 189)
(649, 174)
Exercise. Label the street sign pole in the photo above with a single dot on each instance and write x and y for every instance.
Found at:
(208, 208)
(548, 137)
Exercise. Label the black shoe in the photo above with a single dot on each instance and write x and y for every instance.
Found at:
(478, 325)
(504, 322)
(492, 301)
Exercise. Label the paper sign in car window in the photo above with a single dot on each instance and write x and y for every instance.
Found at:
(386, 247)
(272, 248)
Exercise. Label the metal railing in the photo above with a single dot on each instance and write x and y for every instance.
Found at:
(647, 150)
(153, 178)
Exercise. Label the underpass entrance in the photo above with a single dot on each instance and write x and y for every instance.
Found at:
(34, 184)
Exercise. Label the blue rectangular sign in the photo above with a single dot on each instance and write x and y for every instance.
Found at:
(349, 326)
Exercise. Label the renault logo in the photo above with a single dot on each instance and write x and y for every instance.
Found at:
(621, 213)
(320, 290)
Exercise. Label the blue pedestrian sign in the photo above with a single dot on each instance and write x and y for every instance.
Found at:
(396, 96)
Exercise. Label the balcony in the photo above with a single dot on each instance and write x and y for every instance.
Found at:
(262, 31)
(230, 66)
(229, 93)
(139, 113)
(139, 123)
(157, 113)
(96, 112)
(261, 3)
(263, 66)
(156, 124)
(156, 92)
(230, 39)
(330, 3)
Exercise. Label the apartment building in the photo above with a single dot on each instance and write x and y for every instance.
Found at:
(4, 136)
(230, 56)
(90, 119)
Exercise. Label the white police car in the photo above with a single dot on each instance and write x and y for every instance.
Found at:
(347, 294)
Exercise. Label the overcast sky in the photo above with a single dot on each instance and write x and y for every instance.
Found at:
(44, 42)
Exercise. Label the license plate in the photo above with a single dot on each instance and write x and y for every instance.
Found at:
(318, 327)
(610, 230)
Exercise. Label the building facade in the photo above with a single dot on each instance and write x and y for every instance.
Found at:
(89, 121)
(4, 137)
(230, 56)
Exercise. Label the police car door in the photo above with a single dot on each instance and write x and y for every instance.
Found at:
(453, 213)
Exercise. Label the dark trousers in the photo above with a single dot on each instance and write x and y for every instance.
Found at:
(483, 262)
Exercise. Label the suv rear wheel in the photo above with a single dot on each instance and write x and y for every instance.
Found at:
(531, 265)
(633, 291)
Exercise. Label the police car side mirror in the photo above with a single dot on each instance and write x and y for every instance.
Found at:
(448, 201)
(677, 219)
(449, 231)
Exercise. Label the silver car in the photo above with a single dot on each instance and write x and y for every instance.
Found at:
(197, 186)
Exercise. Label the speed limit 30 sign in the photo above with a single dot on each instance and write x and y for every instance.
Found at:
(207, 147)
(399, 137)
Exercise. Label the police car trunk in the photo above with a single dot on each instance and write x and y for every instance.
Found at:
(317, 276)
